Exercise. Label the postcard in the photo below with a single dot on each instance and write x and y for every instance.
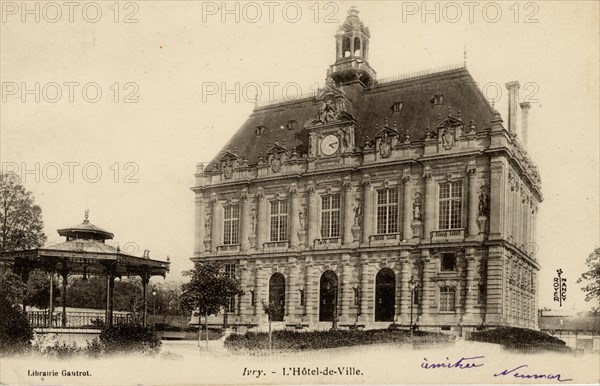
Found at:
(299, 192)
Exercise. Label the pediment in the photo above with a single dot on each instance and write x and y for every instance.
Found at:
(449, 121)
(228, 156)
(276, 149)
(386, 131)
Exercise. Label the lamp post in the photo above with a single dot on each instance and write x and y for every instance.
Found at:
(153, 308)
(412, 286)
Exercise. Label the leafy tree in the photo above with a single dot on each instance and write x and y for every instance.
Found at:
(208, 291)
(15, 331)
(592, 277)
(37, 292)
(21, 225)
(12, 287)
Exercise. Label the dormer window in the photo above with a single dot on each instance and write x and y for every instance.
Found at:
(396, 107)
(437, 99)
(260, 130)
(291, 125)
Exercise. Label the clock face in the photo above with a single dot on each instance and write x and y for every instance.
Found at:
(330, 144)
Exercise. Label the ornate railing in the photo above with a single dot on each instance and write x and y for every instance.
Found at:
(449, 233)
(386, 236)
(77, 319)
(276, 244)
(228, 248)
(328, 241)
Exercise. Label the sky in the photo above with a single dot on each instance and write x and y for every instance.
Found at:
(109, 106)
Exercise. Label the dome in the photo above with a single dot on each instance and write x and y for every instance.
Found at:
(85, 231)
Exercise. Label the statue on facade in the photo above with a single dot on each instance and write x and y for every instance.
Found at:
(253, 221)
(417, 207)
(207, 227)
(302, 217)
(328, 112)
(484, 202)
(348, 137)
(357, 212)
(276, 163)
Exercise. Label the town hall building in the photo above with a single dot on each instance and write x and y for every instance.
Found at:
(376, 202)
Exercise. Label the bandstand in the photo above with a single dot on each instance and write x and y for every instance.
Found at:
(84, 253)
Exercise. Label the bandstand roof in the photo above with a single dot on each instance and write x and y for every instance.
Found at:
(84, 253)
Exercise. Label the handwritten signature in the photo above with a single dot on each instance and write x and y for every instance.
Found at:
(515, 374)
(477, 361)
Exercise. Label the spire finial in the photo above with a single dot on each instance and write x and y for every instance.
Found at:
(465, 55)
(87, 215)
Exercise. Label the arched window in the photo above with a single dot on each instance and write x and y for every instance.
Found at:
(277, 296)
(357, 51)
(346, 47)
(328, 296)
(385, 295)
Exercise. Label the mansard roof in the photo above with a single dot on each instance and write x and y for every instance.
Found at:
(426, 101)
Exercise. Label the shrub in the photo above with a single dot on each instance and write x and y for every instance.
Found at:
(128, 338)
(316, 340)
(15, 331)
(521, 339)
(61, 350)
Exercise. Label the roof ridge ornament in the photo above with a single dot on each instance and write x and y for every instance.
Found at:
(87, 216)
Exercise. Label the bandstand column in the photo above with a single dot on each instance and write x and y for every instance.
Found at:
(295, 221)
(145, 280)
(368, 210)
(313, 215)
(348, 213)
(404, 289)
(263, 224)
(63, 296)
(406, 209)
(428, 226)
(473, 207)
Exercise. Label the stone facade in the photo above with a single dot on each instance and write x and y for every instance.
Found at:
(372, 203)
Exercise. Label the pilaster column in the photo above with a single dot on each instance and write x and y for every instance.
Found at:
(473, 229)
(216, 222)
(294, 221)
(348, 211)
(263, 222)
(404, 286)
(407, 214)
(346, 290)
(242, 306)
(311, 292)
(471, 288)
(426, 294)
(368, 212)
(292, 294)
(260, 289)
(497, 183)
(313, 214)
(429, 225)
(199, 224)
(244, 220)
(365, 290)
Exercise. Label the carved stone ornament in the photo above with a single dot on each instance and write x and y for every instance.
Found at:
(260, 194)
(276, 163)
(417, 202)
(227, 170)
(447, 136)
(294, 190)
(328, 112)
(385, 146)
(207, 228)
(244, 195)
(484, 201)
(347, 184)
(357, 212)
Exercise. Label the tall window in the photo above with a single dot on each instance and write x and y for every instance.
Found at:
(231, 225)
(279, 220)
(451, 205)
(447, 299)
(230, 273)
(387, 211)
(330, 215)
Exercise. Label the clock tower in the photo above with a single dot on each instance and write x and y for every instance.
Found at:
(352, 52)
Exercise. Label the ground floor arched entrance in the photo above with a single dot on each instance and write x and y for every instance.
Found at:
(328, 296)
(385, 294)
(277, 296)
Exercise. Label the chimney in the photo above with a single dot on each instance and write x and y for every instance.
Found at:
(513, 98)
(524, 124)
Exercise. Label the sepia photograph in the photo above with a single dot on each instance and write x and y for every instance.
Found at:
(299, 192)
